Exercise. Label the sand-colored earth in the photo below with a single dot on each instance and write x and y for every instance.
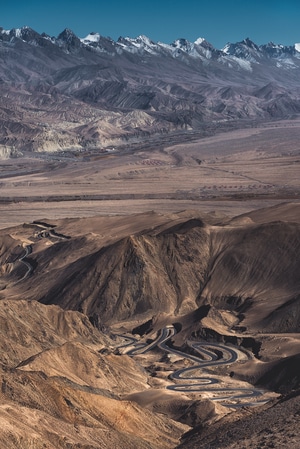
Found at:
(57, 391)
(230, 173)
(137, 232)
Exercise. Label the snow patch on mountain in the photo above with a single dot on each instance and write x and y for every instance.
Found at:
(199, 41)
(18, 32)
(226, 48)
(92, 37)
(139, 44)
(286, 63)
(243, 63)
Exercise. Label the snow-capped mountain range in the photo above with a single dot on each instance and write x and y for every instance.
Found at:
(70, 92)
(246, 49)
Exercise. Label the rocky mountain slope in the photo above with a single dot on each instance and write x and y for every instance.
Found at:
(71, 93)
(250, 269)
(172, 266)
(65, 378)
(58, 391)
(275, 427)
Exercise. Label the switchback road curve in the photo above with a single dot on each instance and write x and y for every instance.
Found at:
(22, 259)
(46, 231)
(193, 382)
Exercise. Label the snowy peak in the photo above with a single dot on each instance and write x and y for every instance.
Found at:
(91, 38)
(241, 54)
(278, 51)
(27, 35)
(68, 40)
(141, 44)
(200, 49)
(245, 49)
(199, 41)
(249, 51)
(99, 43)
(144, 40)
(182, 46)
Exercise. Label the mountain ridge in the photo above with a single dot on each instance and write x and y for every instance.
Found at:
(142, 42)
(74, 94)
(172, 268)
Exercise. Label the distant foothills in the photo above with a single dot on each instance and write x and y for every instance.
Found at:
(71, 93)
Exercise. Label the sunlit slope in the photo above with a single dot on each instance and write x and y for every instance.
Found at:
(58, 391)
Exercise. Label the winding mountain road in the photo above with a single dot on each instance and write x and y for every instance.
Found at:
(207, 358)
(46, 232)
(22, 259)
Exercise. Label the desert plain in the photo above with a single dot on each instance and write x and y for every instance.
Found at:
(230, 172)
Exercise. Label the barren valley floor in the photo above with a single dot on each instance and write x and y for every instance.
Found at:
(229, 173)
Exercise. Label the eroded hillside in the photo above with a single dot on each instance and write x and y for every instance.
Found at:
(250, 269)
(165, 282)
(58, 391)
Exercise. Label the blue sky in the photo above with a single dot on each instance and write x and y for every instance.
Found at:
(162, 20)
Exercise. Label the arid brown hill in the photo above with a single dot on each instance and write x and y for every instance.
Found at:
(250, 269)
(58, 391)
(276, 427)
(63, 384)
